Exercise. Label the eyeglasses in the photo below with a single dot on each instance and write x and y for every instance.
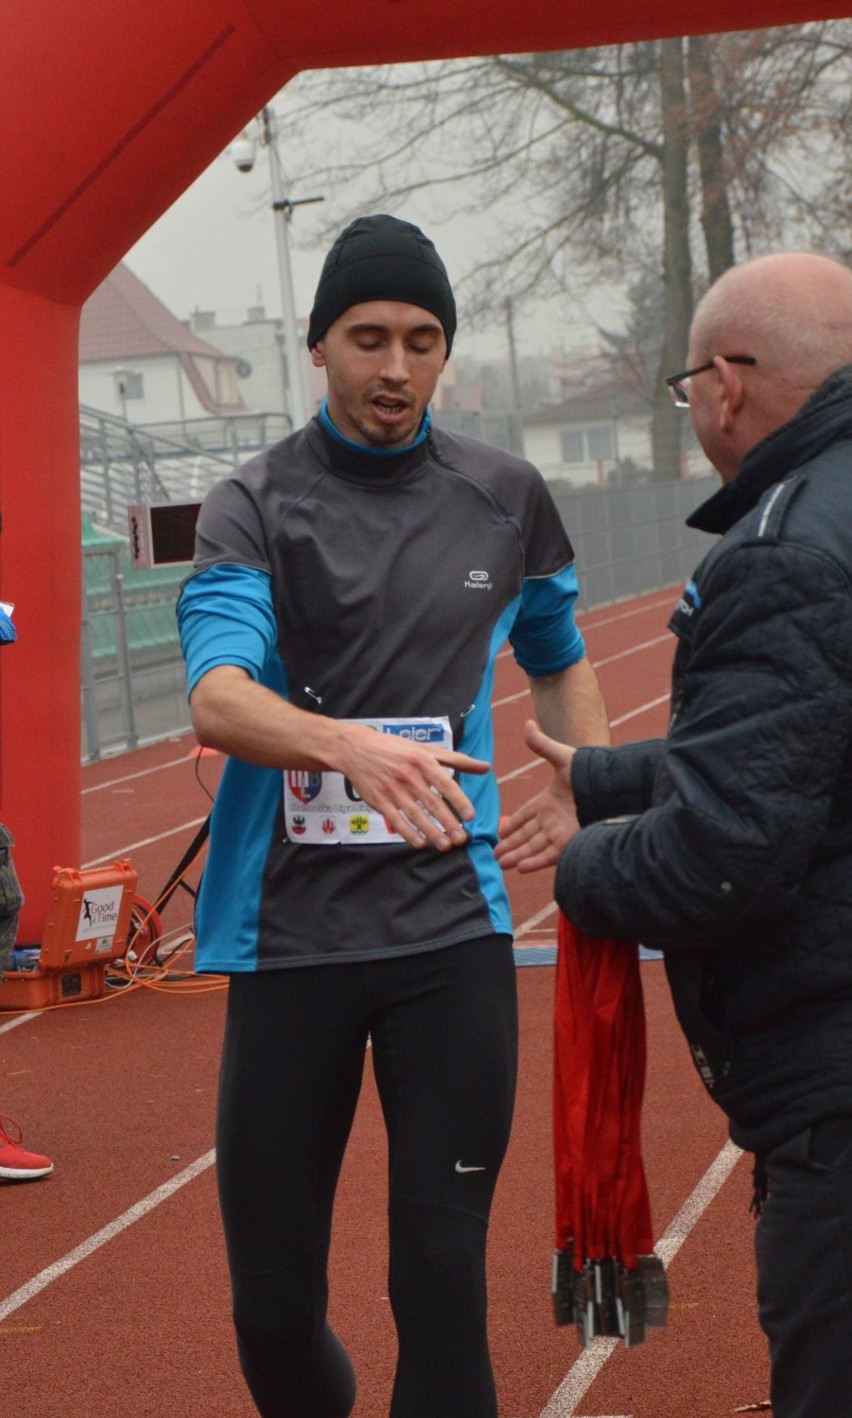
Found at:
(679, 383)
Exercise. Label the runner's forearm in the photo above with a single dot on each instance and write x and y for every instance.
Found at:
(569, 706)
(233, 713)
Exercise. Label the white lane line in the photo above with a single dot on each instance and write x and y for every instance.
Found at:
(695, 1205)
(21, 1019)
(142, 773)
(114, 1228)
(524, 768)
(643, 709)
(622, 719)
(533, 921)
(634, 650)
(596, 665)
(585, 1370)
(623, 615)
(145, 772)
(144, 842)
(510, 698)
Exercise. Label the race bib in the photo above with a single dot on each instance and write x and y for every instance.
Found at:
(324, 808)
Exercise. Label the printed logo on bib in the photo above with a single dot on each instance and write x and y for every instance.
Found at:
(303, 786)
(418, 730)
(318, 807)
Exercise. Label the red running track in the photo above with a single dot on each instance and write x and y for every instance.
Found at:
(113, 1287)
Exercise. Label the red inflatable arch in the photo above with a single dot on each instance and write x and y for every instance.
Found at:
(108, 112)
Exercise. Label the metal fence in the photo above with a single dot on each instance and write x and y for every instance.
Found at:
(132, 680)
(132, 677)
(632, 539)
(122, 463)
(626, 540)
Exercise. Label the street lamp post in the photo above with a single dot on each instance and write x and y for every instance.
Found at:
(242, 152)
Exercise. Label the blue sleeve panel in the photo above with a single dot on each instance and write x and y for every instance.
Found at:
(225, 617)
(228, 906)
(544, 636)
(540, 626)
(477, 739)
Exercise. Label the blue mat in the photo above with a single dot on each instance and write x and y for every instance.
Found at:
(546, 954)
(535, 954)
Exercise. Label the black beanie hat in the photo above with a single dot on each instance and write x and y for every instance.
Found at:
(382, 258)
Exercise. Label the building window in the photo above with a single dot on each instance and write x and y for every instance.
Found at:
(130, 384)
(600, 444)
(572, 445)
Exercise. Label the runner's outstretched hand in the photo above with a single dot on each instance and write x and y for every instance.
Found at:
(534, 836)
(407, 782)
(409, 785)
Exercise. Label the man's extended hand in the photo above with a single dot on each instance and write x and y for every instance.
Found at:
(408, 784)
(534, 836)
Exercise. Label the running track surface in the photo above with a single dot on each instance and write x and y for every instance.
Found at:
(113, 1289)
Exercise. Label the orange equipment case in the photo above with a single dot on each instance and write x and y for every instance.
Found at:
(87, 926)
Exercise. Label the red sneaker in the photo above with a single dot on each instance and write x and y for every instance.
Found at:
(16, 1164)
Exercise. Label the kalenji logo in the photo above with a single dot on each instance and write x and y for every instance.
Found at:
(478, 581)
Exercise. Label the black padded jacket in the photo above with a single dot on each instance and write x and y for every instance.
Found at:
(729, 843)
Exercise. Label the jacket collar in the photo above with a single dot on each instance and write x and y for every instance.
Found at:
(826, 416)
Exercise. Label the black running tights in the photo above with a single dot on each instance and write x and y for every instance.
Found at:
(443, 1029)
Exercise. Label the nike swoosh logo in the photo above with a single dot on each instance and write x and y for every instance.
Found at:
(460, 1168)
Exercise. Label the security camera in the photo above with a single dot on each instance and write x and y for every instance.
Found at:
(244, 151)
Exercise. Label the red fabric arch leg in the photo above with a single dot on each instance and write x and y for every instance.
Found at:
(40, 571)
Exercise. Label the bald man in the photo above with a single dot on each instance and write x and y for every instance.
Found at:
(728, 845)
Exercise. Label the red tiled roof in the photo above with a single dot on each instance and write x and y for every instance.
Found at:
(123, 319)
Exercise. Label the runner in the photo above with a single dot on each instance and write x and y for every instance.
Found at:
(351, 589)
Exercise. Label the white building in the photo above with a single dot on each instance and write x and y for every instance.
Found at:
(600, 436)
(259, 347)
(139, 362)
